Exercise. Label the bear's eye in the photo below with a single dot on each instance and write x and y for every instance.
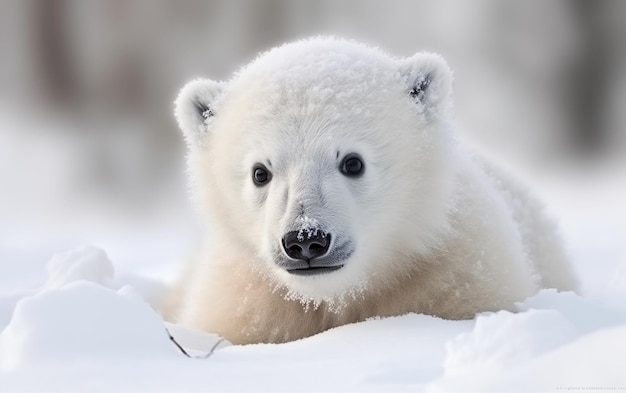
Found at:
(260, 175)
(352, 165)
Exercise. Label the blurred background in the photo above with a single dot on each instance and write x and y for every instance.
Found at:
(89, 147)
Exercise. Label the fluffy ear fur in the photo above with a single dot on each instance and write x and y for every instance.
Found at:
(429, 82)
(195, 106)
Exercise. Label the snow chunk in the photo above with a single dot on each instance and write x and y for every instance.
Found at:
(197, 343)
(82, 320)
(83, 263)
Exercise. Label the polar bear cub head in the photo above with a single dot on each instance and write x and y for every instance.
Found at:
(324, 164)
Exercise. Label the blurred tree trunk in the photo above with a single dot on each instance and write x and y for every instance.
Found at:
(588, 81)
(53, 54)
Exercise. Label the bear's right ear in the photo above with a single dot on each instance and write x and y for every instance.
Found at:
(195, 106)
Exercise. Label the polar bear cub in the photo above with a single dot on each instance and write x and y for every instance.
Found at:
(334, 191)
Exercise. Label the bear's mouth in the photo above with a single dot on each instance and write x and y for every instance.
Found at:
(314, 270)
(334, 261)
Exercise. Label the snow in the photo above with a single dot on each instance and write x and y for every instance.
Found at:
(81, 321)
(88, 325)
(504, 346)
(86, 262)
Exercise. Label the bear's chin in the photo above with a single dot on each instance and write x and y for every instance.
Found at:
(332, 287)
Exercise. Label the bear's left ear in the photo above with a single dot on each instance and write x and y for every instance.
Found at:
(195, 107)
(428, 81)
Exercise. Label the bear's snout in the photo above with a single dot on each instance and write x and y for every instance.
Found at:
(306, 245)
(308, 253)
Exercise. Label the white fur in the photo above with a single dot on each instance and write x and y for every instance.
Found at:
(432, 230)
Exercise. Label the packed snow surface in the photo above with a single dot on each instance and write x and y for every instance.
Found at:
(89, 326)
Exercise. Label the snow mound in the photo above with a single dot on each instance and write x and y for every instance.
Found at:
(551, 331)
(87, 329)
(82, 263)
(82, 320)
(504, 339)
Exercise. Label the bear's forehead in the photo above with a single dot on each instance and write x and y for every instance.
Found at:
(312, 87)
(307, 97)
(315, 73)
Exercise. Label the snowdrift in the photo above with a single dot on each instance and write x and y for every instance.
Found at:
(79, 332)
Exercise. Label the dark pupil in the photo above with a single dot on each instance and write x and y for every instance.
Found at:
(260, 175)
(353, 165)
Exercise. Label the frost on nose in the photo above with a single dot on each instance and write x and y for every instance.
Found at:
(308, 228)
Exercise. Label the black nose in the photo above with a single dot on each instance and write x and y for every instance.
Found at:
(306, 245)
